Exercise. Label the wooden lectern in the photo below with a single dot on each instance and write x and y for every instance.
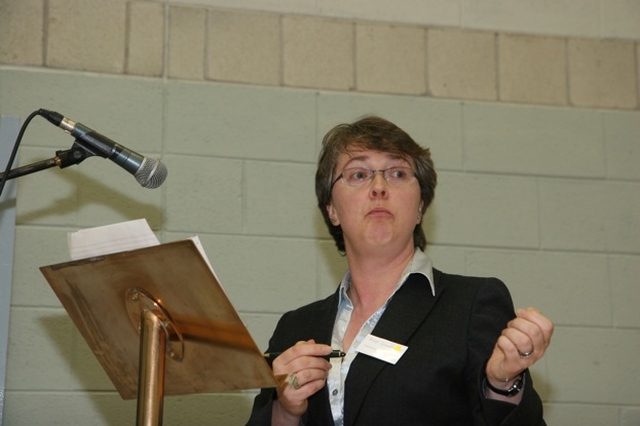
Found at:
(160, 324)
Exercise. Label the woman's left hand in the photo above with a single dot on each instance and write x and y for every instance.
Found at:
(520, 345)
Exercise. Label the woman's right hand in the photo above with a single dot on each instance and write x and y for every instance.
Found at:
(306, 373)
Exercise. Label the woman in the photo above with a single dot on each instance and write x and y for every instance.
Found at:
(422, 347)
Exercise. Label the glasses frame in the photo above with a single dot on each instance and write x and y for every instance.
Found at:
(373, 175)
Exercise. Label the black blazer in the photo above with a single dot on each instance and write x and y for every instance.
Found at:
(438, 381)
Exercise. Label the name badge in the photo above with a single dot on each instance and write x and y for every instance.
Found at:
(382, 349)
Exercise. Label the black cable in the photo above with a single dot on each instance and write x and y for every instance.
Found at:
(5, 176)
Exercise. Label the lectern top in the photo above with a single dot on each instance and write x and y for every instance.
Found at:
(209, 348)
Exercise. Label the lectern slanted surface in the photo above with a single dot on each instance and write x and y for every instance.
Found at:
(218, 353)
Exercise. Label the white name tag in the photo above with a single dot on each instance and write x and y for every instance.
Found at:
(382, 349)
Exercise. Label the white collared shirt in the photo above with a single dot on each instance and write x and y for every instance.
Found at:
(340, 366)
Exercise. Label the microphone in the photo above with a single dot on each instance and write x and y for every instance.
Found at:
(149, 172)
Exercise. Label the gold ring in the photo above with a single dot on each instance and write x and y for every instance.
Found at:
(293, 381)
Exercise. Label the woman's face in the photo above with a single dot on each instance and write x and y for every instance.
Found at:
(377, 215)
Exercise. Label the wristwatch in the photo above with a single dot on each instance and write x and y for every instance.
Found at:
(515, 388)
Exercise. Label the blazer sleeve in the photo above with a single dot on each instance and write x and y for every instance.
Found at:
(493, 308)
(314, 321)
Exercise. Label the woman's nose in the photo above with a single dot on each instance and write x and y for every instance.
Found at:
(378, 185)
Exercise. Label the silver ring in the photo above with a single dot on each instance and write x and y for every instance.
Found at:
(526, 354)
(293, 381)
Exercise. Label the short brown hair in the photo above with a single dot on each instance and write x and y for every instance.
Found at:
(376, 134)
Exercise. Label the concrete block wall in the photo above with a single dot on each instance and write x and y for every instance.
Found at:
(531, 111)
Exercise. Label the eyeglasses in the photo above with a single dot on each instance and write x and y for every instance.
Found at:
(359, 176)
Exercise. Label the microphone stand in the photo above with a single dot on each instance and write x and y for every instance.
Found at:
(63, 159)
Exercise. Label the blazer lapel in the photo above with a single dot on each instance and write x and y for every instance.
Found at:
(320, 328)
(320, 325)
(408, 308)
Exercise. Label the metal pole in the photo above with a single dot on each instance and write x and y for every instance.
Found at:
(62, 159)
(9, 128)
(151, 370)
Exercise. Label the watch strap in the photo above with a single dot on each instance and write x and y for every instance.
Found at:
(515, 388)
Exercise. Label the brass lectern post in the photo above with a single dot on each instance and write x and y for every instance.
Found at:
(151, 370)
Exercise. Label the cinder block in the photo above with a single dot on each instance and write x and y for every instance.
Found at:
(21, 27)
(564, 17)
(622, 219)
(86, 371)
(390, 59)
(532, 69)
(630, 416)
(145, 55)
(86, 35)
(331, 265)
(619, 19)
(109, 194)
(540, 380)
(567, 209)
(187, 34)
(244, 47)
(437, 12)
(624, 275)
(49, 197)
(610, 356)
(39, 350)
(270, 285)
(60, 408)
(581, 414)
(548, 281)
(125, 109)
(229, 152)
(503, 213)
(607, 209)
(432, 123)
(602, 73)
(240, 121)
(204, 194)
(318, 53)
(621, 136)
(446, 259)
(96, 191)
(261, 327)
(461, 64)
(533, 140)
(35, 247)
(280, 213)
(228, 408)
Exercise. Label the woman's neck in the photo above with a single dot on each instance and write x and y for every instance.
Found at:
(375, 277)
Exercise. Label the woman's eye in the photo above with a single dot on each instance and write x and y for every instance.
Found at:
(398, 174)
(359, 175)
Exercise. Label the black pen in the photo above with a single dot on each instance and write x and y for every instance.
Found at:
(334, 354)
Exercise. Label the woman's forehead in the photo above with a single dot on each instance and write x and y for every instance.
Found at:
(360, 154)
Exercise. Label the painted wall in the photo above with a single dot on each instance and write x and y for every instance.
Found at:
(530, 108)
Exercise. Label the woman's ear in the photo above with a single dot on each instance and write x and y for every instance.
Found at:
(333, 216)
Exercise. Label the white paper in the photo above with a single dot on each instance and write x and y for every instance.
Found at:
(109, 239)
(119, 237)
(198, 244)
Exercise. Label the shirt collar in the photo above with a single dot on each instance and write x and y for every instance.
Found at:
(420, 264)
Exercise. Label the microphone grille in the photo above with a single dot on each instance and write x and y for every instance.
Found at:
(151, 173)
